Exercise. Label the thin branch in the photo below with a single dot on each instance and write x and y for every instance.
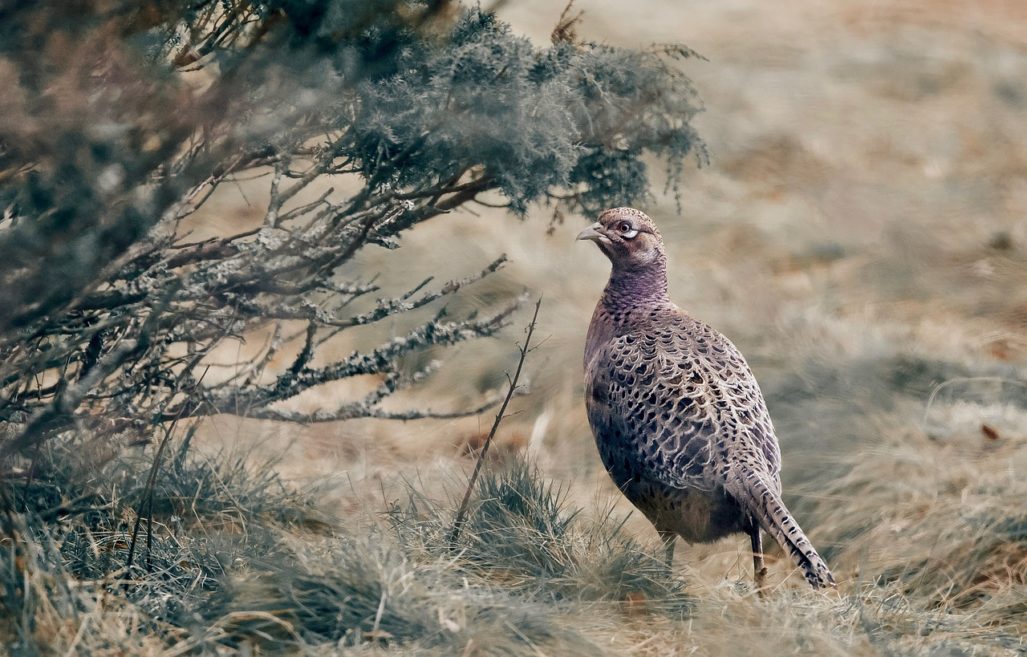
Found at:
(461, 513)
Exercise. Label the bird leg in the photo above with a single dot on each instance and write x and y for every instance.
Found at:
(668, 547)
(759, 570)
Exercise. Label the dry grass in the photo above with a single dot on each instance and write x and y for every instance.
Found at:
(931, 560)
(861, 235)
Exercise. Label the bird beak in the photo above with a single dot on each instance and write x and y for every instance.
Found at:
(591, 233)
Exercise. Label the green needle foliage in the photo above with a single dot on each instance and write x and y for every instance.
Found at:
(122, 120)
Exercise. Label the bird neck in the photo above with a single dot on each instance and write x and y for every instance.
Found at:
(630, 288)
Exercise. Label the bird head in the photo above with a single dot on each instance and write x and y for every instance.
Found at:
(628, 237)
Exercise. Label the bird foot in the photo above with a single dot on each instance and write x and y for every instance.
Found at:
(761, 582)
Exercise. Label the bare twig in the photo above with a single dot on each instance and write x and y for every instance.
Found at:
(461, 513)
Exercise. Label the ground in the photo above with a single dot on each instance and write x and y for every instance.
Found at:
(860, 232)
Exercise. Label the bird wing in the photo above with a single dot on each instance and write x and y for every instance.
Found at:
(678, 401)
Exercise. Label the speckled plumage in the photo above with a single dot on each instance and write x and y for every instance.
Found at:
(678, 417)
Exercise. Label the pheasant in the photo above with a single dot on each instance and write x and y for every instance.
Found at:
(678, 417)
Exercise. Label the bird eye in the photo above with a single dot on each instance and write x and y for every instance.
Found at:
(625, 229)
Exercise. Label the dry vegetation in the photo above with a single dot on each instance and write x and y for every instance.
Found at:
(860, 234)
(933, 559)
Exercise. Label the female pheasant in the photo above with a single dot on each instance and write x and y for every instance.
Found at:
(679, 420)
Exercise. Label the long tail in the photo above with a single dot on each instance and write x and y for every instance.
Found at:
(763, 502)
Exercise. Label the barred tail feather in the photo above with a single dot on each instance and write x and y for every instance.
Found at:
(763, 502)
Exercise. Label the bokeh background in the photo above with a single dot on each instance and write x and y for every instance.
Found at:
(860, 232)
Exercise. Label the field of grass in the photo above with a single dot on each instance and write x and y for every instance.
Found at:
(931, 561)
(860, 234)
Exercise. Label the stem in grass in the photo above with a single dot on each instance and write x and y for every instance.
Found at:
(461, 513)
(147, 499)
(145, 508)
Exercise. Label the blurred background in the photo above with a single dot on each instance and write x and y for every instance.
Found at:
(860, 232)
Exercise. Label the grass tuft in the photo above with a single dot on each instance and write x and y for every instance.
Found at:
(942, 537)
(930, 561)
(522, 534)
(354, 592)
